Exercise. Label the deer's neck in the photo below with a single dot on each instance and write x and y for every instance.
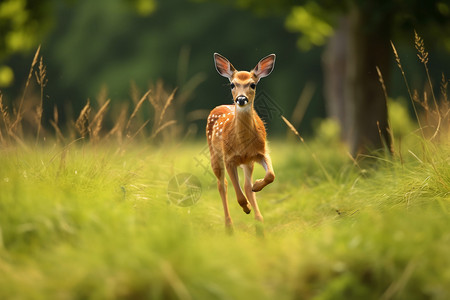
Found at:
(244, 122)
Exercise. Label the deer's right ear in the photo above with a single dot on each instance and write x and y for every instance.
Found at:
(223, 66)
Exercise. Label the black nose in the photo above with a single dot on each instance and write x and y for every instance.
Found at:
(241, 100)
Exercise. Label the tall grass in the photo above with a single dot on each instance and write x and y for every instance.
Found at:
(90, 222)
(25, 121)
(86, 215)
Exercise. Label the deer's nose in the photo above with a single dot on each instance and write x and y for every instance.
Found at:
(241, 100)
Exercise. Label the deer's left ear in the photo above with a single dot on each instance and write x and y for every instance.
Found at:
(264, 67)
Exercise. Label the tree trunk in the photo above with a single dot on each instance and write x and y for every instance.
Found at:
(335, 65)
(354, 94)
(367, 110)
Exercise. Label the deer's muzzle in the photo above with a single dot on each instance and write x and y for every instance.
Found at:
(241, 100)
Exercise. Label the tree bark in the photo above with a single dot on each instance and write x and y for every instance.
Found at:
(354, 94)
(367, 108)
(335, 66)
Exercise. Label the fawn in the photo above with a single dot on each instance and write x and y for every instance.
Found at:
(237, 137)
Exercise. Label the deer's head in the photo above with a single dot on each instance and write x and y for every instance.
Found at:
(243, 83)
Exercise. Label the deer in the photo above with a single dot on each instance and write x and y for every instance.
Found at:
(236, 136)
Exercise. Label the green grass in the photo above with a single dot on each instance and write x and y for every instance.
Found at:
(90, 222)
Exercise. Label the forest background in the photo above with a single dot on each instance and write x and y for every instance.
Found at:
(113, 49)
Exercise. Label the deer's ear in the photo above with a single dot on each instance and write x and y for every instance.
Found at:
(264, 67)
(223, 66)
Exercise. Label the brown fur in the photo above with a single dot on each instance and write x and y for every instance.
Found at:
(237, 137)
(243, 76)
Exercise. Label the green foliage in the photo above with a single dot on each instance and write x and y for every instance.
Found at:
(144, 7)
(314, 20)
(6, 76)
(22, 25)
(309, 20)
(25, 23)
(399, 118)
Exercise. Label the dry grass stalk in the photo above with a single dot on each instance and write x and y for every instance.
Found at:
(389, 129)
(383, 86)
(5, 118)
(87, 123)
(314, 156)
(444, 85)
(82, 123)
(136, 109)
(292, 128)
(383, 141)
(160, 128)
(4, 114)
(445, 104)
(420, 47)
(436, 116)
(423, 56)
(2, 140)
(156, 100)
(96, 125)
(54, 123)
(397, 59)
(417, 99)
(162, 102)
(19, 112)
(445, 109)
(166, 105)
(119, 125)
(138, 131)
(41, 78)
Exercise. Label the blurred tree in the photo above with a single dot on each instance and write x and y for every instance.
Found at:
(104, 43)
(24, 23)
(143, 7)
(359, 44)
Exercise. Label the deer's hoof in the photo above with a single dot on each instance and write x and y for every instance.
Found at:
(258, 185)
(246, 209)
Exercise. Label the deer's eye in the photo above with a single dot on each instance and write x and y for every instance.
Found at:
(232, 85)
(252, 86)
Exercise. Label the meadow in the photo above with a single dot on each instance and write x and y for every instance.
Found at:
(91, 222)
(89, 213)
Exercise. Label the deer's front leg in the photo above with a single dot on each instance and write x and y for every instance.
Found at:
(259, 184)
(232, 172)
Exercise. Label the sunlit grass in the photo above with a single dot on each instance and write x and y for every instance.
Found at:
(85, 212)
(92, 222)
